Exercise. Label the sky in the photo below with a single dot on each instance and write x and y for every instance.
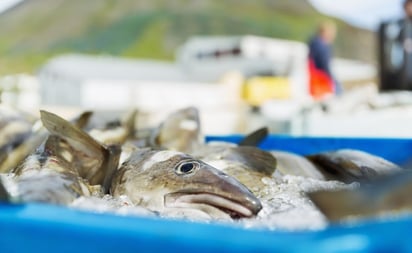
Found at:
(4, 4)
(363, 13)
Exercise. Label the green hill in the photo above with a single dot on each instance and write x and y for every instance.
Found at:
(38, 29)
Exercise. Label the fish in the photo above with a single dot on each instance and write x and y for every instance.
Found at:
(349, 165)
(180, 131)
(33, 140)
(115, 132)
(245, 163)
(163, 180)
(15, 129)
(385, 195)
(69, 164)
(289, 163)
(94, 161)
(48, 178)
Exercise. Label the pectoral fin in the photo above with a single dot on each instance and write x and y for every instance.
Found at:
(252, 157)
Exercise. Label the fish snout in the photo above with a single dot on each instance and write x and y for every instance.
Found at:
(220, 184)
(240, 194)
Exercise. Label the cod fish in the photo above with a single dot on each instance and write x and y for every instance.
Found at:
(115, 132)
(68, 165)
(164, 180)
(350, 165)
(248, 164)
(15, 129)
(390, 194)
(180, 131)
(245, 163)
(32, 141)
(94, 161)
(293, 164)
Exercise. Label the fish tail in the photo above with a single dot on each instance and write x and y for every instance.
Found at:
(83, 119)
(82, 142)
(110, 165)
(338, 205)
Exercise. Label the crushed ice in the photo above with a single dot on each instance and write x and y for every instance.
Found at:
(284, 201)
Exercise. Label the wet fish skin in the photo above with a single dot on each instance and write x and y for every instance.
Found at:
(36, 137)
(350, 165)
(15, 129)
(17, 155)
(388, 194)
(293, 164)
(65, 167)
(163, 179)
(45, 177)
(245, 163)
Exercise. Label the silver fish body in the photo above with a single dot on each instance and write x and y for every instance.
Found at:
(68, 165)
(164, 180)
(15, 130)
(44, 177)
(292, 164)
(386, 195)
(350, 165)
(32, 141)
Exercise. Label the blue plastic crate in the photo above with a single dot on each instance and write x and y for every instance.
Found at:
(47, 228)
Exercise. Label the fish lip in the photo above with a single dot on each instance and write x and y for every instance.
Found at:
(234, 208)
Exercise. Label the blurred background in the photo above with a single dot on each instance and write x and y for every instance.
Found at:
(244, 64)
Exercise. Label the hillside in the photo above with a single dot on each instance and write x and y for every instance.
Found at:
(38, 29)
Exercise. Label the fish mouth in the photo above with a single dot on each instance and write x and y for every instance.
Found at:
(231, 207)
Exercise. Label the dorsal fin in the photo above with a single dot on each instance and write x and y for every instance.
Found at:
(255, 138)
(252, 157)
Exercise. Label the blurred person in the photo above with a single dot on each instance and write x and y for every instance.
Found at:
(407, 7)
(407, 23)
(395, 51)
(322, 81)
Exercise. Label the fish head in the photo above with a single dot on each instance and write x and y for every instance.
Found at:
(162, 180)
(247, 164)
(180, 131)
(116, 131)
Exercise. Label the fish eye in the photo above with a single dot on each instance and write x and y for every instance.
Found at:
(186, 167)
